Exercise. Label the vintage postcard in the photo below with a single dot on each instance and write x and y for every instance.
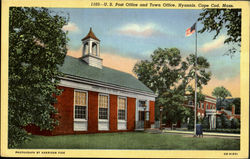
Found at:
(125, 79)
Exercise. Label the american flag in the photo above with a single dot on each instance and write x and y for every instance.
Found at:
(191, 30)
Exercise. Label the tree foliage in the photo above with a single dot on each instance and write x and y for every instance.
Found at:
(205, 123)
(218, 122)
(237, 104)
(221, 93)
(169, 75)
(37, 45)
(225, 122)
(235, 123)
(218, 19)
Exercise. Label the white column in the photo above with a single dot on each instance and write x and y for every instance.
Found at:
(98, 49)
(136, 110)
(215, 121)
(83, 50)
(90, 47)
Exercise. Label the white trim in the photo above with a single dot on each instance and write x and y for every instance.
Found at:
(106, 89)
(122, 121)
(80, 120)
(106, 85)
(106, 121)
(125, 107)
(210, 100)
(102, 94)
(141, 108)
(136, 109)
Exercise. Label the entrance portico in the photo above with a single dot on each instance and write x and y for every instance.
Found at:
(211, 114)
(142, 114)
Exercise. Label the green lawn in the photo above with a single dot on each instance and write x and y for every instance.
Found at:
(131, 140)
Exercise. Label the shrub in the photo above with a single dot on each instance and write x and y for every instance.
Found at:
(205, 123)
(235, 124)
(227, 124)
(218, 122)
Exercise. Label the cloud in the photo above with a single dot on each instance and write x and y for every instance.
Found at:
(222, 72)
(71, 27)
(140, 30)
(125, 53)
(124, 64)
(232, 84)
(215, 44)
(75, 53)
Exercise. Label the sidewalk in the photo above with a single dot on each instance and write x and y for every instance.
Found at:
(212, 134)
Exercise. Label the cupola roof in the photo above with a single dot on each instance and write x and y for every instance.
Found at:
(90, 35)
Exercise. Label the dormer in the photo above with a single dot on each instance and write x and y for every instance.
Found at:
(91, 50)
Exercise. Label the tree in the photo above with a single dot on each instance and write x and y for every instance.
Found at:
(225, 122)
(235, 123)
(218, 122)
(236, 103)
(191, 120)
(205, 123)
(219, 19)
(221, 93)
(168, 75)
(37, 46)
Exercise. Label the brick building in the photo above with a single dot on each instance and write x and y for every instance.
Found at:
(99, 99)
(206, 108)
(229, 114)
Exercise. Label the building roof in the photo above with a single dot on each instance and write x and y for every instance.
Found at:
(78, 68)
(228, 112)
(90, 35)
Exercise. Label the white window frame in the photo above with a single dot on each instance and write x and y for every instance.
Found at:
(213, 106)
(202, 106)
(142, 100)
(76, 119)
(126, 104)
(103, 94)
(142, 108)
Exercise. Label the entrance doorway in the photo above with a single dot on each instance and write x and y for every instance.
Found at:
(141, 119)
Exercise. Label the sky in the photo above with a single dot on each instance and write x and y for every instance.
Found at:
(131, 35)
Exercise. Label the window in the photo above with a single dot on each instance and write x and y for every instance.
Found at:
(103, 106)
(80, 105)
(121, 108)
(142, 103)
(214, 107)
(190, 102)
(141, 115)
(202, 105)
(206, 106)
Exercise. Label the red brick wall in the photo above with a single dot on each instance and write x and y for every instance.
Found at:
(92, 112)
(113, 112)
(36, 130)
(200, 110)
(152, 112)
(65, 106)
(65, 109)
(131, 113)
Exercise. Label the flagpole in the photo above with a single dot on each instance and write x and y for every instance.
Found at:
(195, 67)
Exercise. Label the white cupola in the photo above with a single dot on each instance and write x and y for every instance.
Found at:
(91, 50)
